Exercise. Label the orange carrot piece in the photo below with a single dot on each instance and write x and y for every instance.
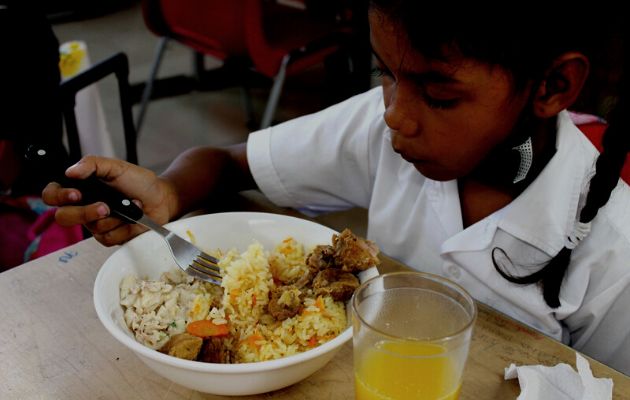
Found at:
(252, 339)
(206, 328)
(319, 303)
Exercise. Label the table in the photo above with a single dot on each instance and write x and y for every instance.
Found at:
(54, 347)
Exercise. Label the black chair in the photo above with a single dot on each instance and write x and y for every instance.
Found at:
(118, 64)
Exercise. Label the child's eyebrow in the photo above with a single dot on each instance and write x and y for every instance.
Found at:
(430, 76)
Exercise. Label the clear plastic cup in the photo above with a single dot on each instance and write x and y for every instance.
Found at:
(411, 335)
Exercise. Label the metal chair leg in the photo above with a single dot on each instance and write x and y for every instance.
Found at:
(146, 94)
(274, 96)
(199, 66)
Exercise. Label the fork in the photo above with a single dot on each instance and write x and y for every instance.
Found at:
(187, 256)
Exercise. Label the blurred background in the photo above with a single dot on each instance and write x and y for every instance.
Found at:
(221, 67)
(209, 117)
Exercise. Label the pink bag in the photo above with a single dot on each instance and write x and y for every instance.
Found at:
(28, 230)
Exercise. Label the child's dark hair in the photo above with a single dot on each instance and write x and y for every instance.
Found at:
(525, 44)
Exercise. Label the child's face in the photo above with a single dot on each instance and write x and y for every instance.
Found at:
(445, 117)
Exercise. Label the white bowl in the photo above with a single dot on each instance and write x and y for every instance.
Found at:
(147, 255)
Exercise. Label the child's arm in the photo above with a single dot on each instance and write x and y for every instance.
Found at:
(202, 172)
(192, 178)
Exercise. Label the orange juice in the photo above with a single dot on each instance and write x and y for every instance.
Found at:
(411, 335)
(406, 370)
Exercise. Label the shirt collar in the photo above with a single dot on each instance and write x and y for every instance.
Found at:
(546, 211)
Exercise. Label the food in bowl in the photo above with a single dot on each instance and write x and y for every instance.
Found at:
(270, 304)
(147, 256)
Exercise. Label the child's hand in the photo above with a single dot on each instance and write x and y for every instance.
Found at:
(154, 195)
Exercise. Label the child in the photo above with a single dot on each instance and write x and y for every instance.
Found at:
(466, 158)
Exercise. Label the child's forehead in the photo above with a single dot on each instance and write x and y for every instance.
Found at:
(447, 44)
(393, 42)
(396, 54)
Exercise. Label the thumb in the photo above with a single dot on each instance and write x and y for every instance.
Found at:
(128, 178)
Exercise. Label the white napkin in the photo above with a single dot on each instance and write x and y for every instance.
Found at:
(560, 382)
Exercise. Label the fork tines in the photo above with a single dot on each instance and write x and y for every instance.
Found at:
(206, 268)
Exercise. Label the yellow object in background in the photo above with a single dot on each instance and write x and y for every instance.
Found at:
(72, 59)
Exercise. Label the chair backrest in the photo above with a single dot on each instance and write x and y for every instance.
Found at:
(214, 27)
(118, 65)
(273, 31)
(259, 30)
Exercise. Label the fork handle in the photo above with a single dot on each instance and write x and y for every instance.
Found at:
(44, 158)
(93, 190)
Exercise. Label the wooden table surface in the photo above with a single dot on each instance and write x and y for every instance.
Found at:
(53, 346)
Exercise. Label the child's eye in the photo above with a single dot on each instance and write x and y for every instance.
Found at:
(440, 103)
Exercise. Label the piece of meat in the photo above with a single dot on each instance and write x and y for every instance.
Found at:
(340, 285)
(216, 349)
(216, 294)
(285, 302)
(320, 258)
(183, 346)
(353, 254)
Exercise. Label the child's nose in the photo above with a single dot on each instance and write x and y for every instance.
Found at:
(400, 113)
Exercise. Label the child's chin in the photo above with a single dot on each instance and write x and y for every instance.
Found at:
(436, 174)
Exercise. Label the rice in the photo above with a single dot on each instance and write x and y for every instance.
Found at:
(287, 261)
(247, 283)
(248, 279)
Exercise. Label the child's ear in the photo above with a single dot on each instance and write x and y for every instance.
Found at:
(562, 84)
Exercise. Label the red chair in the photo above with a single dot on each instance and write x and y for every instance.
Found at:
(593, 128)
(248, 35)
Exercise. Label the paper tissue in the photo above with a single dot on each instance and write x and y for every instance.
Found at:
(560, 382)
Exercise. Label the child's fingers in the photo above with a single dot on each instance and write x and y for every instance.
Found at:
(74, 215)
(104, 225)
(133, 181)
(119, 235)
(55, 195)
(105, 168)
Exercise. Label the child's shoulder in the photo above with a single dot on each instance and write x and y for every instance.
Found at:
(361, 112)
(371, 99)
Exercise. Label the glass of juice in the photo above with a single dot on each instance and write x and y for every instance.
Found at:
(411, 335)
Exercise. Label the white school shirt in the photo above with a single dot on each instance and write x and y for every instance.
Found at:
(342, 157)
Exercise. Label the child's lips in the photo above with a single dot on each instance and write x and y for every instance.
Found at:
(415, 161)
(410, 157)
(399, 147)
